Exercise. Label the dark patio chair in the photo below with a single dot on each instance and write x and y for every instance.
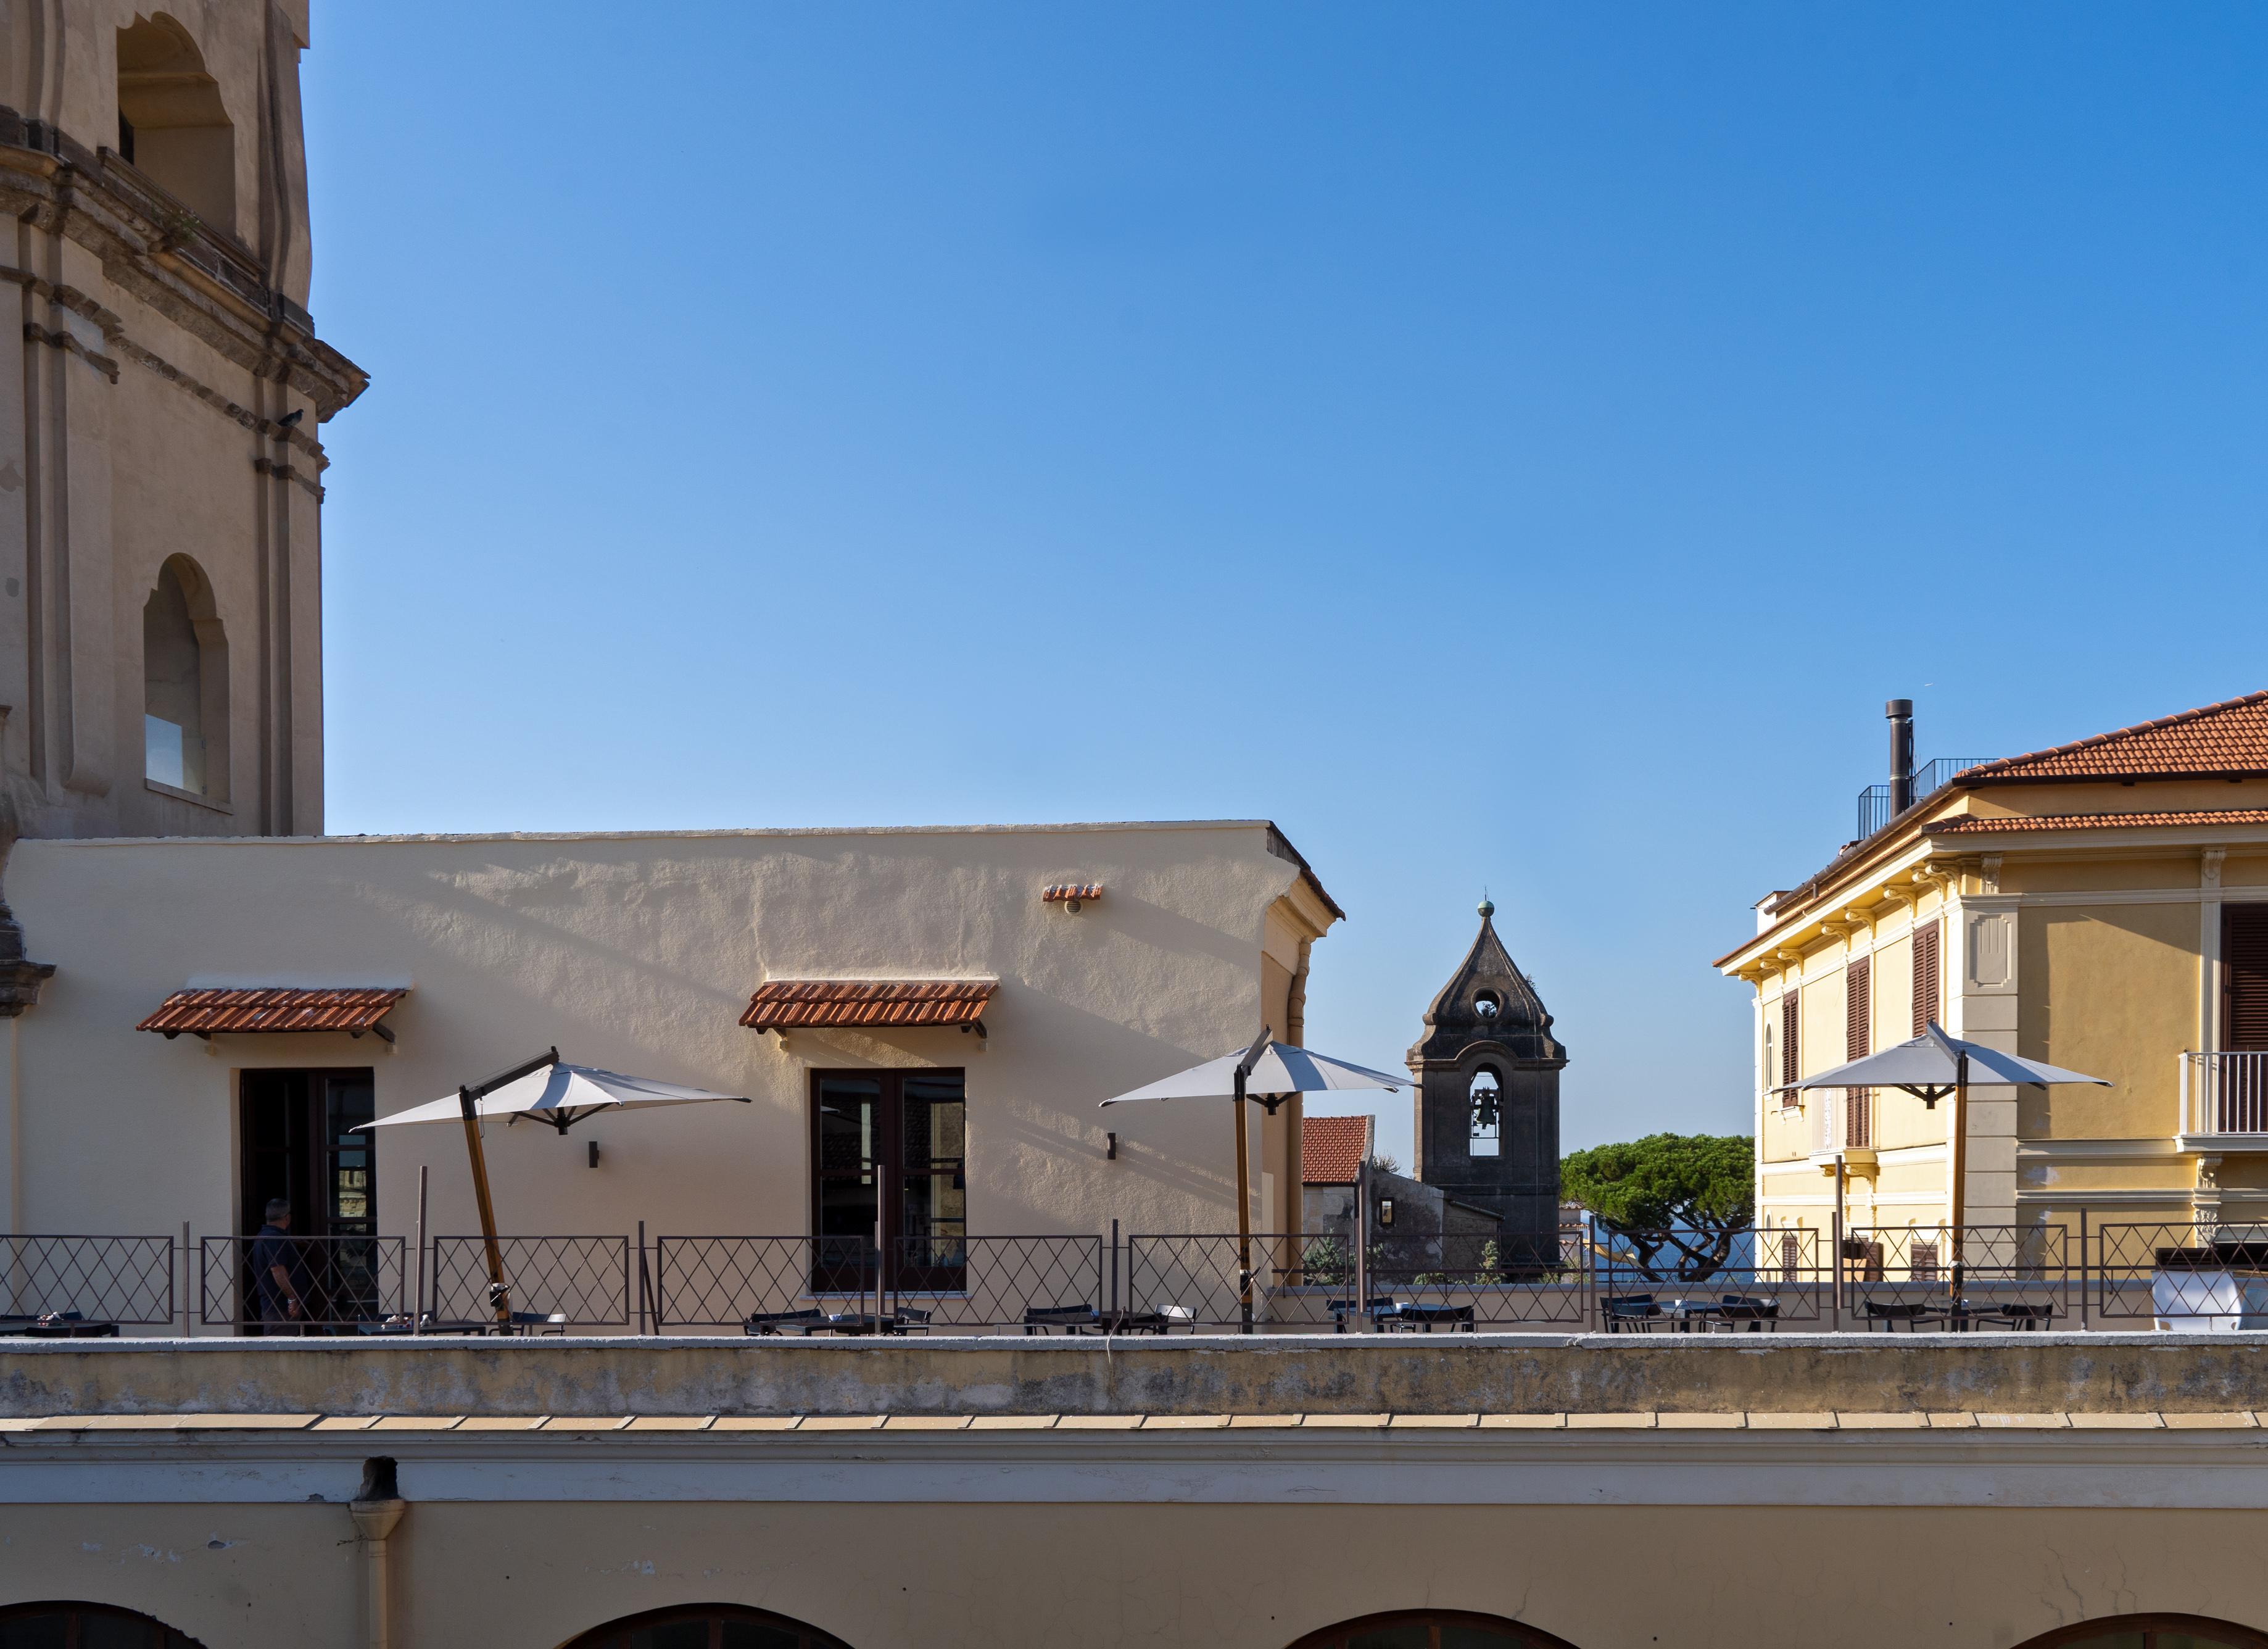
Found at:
(785, 1322)
(1410, 1317)
(1754, 1312)
(1630, 1313)
(1343, 1309)
(2028, 1315)
(1038, 1320)
(1888, 1314)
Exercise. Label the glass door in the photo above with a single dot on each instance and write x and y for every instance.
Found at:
(889, 1170)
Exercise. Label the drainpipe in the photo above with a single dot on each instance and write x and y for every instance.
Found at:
(377, 1509)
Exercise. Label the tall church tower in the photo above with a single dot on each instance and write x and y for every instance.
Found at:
(161, 475)
(1487, 1073)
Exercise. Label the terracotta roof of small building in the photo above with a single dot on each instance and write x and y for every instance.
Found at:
(2211, 741)
(261, 1009)
(2005, 825)
(1331, 1148)
(866, 1004)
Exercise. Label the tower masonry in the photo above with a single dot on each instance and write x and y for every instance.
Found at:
(1487, 1076)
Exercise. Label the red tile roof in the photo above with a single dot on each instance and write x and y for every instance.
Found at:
(794, 1004)
(2094, 821)
(271, 1008)
(1332, 1148)
(2212, 741)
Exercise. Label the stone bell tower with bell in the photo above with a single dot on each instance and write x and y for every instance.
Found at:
(1487, 1072)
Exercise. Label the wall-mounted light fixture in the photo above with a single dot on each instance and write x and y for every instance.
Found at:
(593, 1144)
(1385, 1212)
(1110, 1153)
(1070, 895)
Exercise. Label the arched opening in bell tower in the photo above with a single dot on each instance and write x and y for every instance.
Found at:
(184, 685)
(1485, 1129)
(172, 127)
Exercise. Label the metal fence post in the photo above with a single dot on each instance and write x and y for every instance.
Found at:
(644, 1284)
(1113, 1268)
(1361, 1312)
(186, 1330)
(2082, 1268)
(1834, 1259)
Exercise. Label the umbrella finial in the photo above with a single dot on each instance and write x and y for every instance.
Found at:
(1488, 906)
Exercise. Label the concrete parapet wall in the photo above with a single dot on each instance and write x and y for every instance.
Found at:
(1306, 1374)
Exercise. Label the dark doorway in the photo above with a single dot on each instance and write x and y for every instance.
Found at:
(891, 1146)
(299, 1146)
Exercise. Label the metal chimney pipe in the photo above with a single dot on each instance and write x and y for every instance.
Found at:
(1900, 712)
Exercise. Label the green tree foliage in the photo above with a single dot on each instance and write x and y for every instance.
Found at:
(1677, 1202)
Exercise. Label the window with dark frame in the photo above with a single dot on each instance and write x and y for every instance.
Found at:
(1858, 1042)
(2244, 977)
(1928, 978)
(890, 1165)
(1790, 1064)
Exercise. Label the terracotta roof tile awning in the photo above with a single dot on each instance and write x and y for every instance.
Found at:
(242, 1010)
(1331, 1148)
(2012, 823)
(867, 1004)
(2230, 737)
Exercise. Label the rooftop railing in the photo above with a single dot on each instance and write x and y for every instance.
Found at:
(2118, 1275)
(1875, 810)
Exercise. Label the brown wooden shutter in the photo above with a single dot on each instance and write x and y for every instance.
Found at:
(1791, 1015)
(1858, 1042)
(2244, 968)
(1928, 981)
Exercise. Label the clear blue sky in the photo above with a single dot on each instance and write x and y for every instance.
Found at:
(1508, 445)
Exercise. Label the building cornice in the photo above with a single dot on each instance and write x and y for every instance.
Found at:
(153, 248)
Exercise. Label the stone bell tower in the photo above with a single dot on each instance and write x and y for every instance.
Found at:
(1487, 1072)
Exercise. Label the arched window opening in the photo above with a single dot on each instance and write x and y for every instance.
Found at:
(172, 127)
(2151, 1631)
(1430, 1628)
(704, 1626)
(184, 685)
(1486, 1096)
(85, 1626)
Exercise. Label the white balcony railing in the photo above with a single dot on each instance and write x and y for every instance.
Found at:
(2224, 1093)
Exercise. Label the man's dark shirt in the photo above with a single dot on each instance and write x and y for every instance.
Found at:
(270, 1249)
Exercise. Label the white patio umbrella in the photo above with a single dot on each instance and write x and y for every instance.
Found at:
(1269, 1072)
(549, 1091)
(1933, 1067)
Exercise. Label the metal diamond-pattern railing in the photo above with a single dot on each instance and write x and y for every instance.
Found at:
(2181, 1277)
(721, 1282)
(1994, 1277)
(996, 1282)
(1644, 1282)
(125, 1279)
(338, 1281)
(583, 1282)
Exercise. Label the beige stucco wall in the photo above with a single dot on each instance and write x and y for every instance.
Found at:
(637, 953)
(1225, 1576)
(2106, 989)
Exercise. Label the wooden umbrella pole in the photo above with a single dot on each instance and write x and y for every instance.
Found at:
(1959, 1125)
(1243, 1211)
(498, 1295)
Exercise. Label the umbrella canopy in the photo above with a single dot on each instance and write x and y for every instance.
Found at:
(1276, 1068)
(560, 1095)
(1933, 1064)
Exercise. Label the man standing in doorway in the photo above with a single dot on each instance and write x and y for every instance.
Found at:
(276, 1272)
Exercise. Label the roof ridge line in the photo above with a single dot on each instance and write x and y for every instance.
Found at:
(2175, 719)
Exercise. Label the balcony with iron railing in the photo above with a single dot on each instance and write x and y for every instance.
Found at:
(1875, 809)
(2225, 1101)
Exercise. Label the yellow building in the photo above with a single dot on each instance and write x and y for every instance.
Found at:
(2102, 906)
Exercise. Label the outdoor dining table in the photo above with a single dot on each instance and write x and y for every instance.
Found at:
(57, 1325)
(905, 1319)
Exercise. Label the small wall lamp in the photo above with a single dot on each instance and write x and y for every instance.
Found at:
(1110, 1154)
(593, 1144)
(1385, 1212)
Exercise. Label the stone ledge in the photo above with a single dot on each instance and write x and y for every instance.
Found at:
(1355, 1382)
